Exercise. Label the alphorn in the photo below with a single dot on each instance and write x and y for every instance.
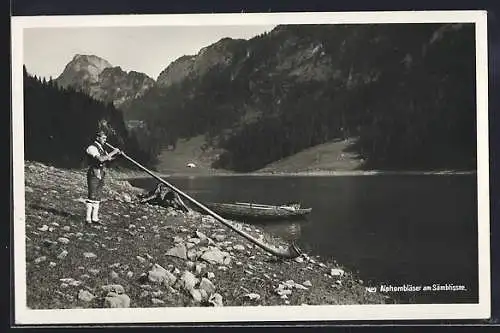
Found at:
(289, 252)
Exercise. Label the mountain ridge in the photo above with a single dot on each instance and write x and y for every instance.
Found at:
(217, 54)
(103, 81)
(297, 87)
(262, 100)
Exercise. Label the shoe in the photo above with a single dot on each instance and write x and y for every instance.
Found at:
(98, 222)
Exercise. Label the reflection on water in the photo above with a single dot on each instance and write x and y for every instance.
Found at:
(389, 230)
(286, 230)
(278, 230)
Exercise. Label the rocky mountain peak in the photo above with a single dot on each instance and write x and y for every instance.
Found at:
(218, 53)
(82, 68)
(103, 81)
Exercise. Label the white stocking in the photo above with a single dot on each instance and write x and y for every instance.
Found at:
(95, 211)
(89, 205)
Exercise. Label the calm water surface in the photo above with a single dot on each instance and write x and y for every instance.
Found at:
(391, 230)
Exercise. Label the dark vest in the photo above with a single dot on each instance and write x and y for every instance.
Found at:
(94, 162)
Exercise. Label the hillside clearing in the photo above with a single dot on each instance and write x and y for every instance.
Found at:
(327, 157)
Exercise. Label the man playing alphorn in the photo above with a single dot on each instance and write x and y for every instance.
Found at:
(97, 157)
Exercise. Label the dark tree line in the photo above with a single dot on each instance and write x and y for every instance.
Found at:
(406, 92)
(60, 123)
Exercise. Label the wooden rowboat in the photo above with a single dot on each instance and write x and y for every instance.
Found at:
(246, 210)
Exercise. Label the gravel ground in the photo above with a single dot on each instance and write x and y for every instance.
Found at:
(149, 256)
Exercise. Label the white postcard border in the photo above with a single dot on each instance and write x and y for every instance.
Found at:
(23, 315)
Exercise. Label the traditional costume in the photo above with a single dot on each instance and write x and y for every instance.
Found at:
(95, 176)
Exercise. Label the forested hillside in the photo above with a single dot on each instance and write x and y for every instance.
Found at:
(404, 94)
(59, 124)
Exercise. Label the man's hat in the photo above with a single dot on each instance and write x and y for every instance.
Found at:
(100, 133)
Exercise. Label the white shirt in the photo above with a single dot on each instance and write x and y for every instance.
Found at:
(93, 151)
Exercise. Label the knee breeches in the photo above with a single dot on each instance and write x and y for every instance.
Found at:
(95, 184)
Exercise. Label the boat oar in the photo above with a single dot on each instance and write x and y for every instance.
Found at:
(292, 251)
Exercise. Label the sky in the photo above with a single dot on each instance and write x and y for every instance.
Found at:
(143, 49)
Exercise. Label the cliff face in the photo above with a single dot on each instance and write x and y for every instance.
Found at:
(98, 78)
(82, 70)
(219, 55)
(118, 86)
(177, 71)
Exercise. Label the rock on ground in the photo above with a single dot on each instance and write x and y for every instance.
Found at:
(188, 281)
(157, 301)
(89, 255)
(40, 259)
(252, 296)
(158, 274)
(85, 296)
(216, 256)
(196, 294)
(178, 251)
(207, 285)
(337, 272)
(118, 301)
(216, 300)
(63, 240)
(116, 288)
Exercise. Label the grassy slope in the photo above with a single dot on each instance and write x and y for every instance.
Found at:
(54, 209)
(188, 151)
(330, 156)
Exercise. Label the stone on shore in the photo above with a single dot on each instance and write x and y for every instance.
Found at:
(337, 272)
(118, 301)
(216, 300)
(141, 259)
(115, 288)
(178, 239)
(49, 243)
(178, 251)
(157, 301)
(192, 254)
(199, 267)
(85, 295)
(188, 281)
(307, 283)
(219, 237)
(40, 259)
(43, 228)
(216, 257)
(196, 294)
(239, 247)
(207, 285)
(126, 197)
(158, 274)
(63, 240)
(252, 296)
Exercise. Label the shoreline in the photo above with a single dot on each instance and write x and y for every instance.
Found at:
(324, 173)
(149, 256)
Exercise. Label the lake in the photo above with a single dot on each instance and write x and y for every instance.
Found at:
(389, 230)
